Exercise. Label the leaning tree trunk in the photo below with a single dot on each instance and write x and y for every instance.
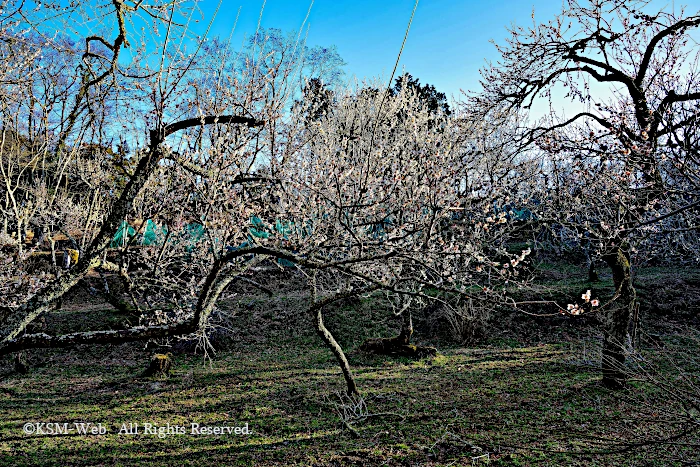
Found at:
(337, 350)
(616, 320)
(13, 320)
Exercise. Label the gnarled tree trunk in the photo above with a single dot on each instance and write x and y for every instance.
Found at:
(616, 320)
(404, 336)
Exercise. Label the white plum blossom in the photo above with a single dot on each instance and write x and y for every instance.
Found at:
(586, 296)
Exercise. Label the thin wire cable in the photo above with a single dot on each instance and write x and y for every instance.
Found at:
(396, 65)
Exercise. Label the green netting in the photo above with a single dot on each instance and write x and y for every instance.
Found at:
(286, 228)
(258, 228)
(153, 235)
(124, 232)
(193, 234)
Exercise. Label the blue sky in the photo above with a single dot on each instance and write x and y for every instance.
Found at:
(447, 45)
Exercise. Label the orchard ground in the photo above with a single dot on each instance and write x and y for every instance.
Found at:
(527, 394)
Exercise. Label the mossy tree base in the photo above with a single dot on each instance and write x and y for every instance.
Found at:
(159, 366)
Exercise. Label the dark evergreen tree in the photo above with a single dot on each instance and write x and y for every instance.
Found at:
(436, 101)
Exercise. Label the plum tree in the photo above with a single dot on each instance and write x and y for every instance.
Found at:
(625, 162)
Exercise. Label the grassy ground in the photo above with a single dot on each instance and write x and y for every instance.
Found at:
(520, 398)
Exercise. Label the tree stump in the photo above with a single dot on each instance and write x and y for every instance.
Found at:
(21, 366)
(159, 366)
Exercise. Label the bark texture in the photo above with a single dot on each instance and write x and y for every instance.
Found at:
(616, 320)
